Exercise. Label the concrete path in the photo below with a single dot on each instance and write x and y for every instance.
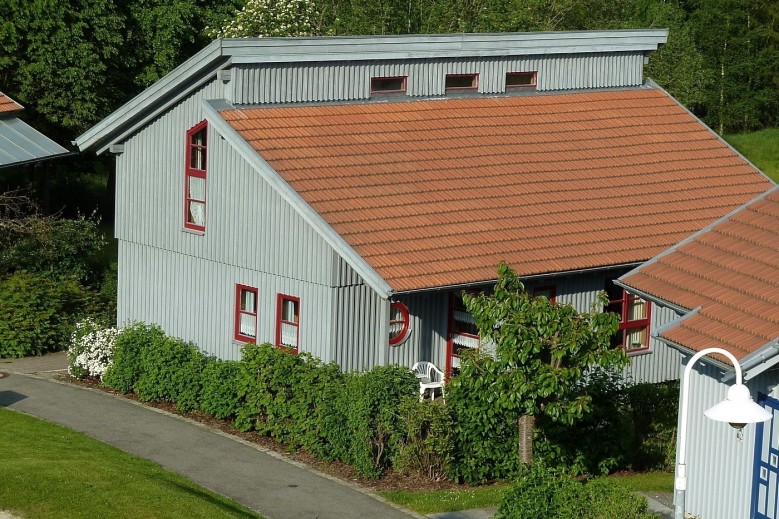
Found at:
(265, 482)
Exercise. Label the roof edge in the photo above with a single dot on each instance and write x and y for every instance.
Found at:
(311, 216)
(134, 110)
(651, 297)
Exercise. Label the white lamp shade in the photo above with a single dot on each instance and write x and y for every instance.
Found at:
(738, 408)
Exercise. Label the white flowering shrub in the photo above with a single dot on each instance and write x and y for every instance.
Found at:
(273, 18)
(91, 349)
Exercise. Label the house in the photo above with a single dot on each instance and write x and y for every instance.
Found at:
(336, 195)
(723, 285)
(20, 143)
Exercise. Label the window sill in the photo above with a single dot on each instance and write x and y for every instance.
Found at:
(194, 232)
(638, 353)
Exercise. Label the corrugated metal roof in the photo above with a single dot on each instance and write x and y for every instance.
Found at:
(19, 142)
(437, 192)
(731, 271)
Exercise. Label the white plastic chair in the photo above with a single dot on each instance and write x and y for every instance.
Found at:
(430, 377)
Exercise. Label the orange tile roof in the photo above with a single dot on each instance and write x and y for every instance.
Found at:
(437, 192)
(8, 105)
(730, 271)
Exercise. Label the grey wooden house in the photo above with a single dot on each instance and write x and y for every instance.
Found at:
(722, 284)
(336, 195)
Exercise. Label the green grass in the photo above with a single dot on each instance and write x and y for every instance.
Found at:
(438, 501)
(49, 471)
(761, 148)
(646, 481)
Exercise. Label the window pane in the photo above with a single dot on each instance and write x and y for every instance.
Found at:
(197, 188)
(197, 158)
(289, 310)
(196, 213)
(636, 338)
(248, 325)
(520, 79)
(637, 309)
(289, 335)
(468, 81)
(248, 301)
(388, 84)
(199, 138)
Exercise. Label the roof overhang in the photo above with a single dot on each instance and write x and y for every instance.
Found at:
(22, 144)
(222, 52)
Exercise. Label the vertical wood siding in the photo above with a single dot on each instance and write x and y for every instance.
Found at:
(361, 328)
(428, 324)
(719, 467)
(342, 81)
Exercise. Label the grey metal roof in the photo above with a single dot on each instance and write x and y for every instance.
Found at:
(20, 143)
(221, 53)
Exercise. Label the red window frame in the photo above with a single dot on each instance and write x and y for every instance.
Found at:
(454, 331)
(281, 322)
(474, 82)
(622, 306)
(240, 311)
(530, 86)
(403, 321)
(550, 291)
(376, 80)
(198, 171)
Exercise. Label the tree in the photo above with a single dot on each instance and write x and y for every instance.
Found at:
(542, 350)
(271, 18)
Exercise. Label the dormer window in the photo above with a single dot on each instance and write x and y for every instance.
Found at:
(521, 81)
(195, 178)
(462, 82)
(388, 85)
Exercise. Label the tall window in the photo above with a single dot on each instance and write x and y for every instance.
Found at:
(634, 315)
(245, 313)
(398, 325)
(195, 178)
(288, 322)
(463, 333)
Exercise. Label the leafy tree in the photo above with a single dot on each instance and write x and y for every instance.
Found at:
(542, 349)
(271, 18)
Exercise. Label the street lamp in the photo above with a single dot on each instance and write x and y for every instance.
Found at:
(737, 409)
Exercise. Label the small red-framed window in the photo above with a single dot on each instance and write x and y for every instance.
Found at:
(245, 313)
(288, 322)
(521, 80)
(388, 85)
(462, 82)
(195, 177)
(548, 291)
(398, 324)
(634, 317)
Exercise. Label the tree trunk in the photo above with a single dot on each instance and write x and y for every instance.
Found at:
(527, 425)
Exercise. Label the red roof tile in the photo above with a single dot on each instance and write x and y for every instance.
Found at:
(730, 271)
(8, 105)
(437, 192)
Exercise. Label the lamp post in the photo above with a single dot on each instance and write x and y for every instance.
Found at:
(738, 409)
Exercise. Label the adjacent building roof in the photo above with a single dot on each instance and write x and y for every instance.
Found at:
(437, 192)
(19, 142)
(727, 275)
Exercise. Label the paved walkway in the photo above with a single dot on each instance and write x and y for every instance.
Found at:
(265, 482)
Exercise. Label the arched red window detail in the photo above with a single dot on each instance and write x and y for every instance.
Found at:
(398, 325)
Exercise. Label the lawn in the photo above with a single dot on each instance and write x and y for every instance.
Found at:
(761, 148)
(49, 471)
(438, 501)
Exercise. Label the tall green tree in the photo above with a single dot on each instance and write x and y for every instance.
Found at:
(542, 351)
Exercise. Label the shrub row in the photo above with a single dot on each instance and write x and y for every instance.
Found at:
(370, 420)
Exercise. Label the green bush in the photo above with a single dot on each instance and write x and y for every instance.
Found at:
(423, 445)
(219, 397)
(485, 432)
(127, 367)
(171, 372)
(37, 313)
(654, 409)
(543, 493)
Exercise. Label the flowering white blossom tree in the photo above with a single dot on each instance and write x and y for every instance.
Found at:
(274, 18)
